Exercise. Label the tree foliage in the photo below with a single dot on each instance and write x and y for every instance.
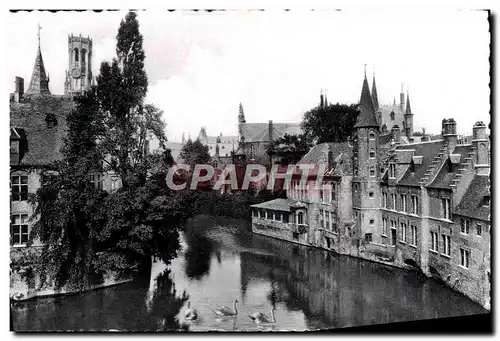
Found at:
(290, 148)
(88, 231)
(194, 152)
(330, 123)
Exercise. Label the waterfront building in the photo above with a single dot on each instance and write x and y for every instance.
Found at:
(418, 205)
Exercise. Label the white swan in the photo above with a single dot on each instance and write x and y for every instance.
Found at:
(261, 318)
(225, 311)
(190, 314)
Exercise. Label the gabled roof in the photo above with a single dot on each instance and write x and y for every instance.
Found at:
(277, 205)
(428, 150)
(366, 117)
(39, 84)
(448, 170)
(259, 132)
(472, 204)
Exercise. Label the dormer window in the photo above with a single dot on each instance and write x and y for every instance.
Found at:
(50, 121)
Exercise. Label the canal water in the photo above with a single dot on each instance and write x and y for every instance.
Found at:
(222, 261)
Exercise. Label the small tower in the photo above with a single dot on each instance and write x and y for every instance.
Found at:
(79, 73)
(366, 169)
(408, 119)
(402, 99)
(241, 121)
(378, 112)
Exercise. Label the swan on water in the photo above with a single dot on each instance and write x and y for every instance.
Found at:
(190, 314)
(225, 311)
(261, 318)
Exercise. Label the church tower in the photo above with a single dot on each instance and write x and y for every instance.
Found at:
(366, 169)
(79, 73)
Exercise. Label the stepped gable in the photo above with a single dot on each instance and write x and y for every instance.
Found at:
(451, 167)
(428, 151)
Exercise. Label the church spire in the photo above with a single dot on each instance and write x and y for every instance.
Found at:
(408, 108)
(374, 93)
(366, 116)
(39, 81)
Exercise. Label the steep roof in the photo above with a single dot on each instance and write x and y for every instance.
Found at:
(472, 204)
(366, 117)
(428, 150)
(43, 142)
(341, 154)
(374, 95)
(408, 108)
(449, 169)
(39, 84)
(258, 132)
(277, 204)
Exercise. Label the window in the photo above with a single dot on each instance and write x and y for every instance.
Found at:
(414, 204)
(333, 223)
(372, 222)
(327, 220)
(83, 56)
(434, 241)
(403, 203)
(393, 201)
(372, 171)
(403, 232)
(300, 218)
(368, 237)
(295, 236)
(384, 226)
(332, 192)
(372, 135)
(277, 216)
(19, 187)
(355, 170)
(464, 258)
(392, 170)
(384, 200)
(372, 153)
(76, 56)
(479, 229)
(446, 244)
(464, 226)
(268, 214)
(321, 195)
(285, 218)
(355, 187)
(393, 232)
(97, 181)
(486, 201)
(321, 219)
(19, 234)
(392, 115)
(370, 194)
(413, 235)
(446, 207)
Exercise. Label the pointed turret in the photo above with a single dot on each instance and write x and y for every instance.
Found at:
(408, 108)
(241, 114)
(374, 94)
(39, 82)
(366, 117)
(321, 99)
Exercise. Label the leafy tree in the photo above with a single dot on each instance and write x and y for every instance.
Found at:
(290, 148)
(331, 123)
(194, 152)
(88, 231)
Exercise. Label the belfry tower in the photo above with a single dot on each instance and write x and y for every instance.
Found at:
(79, 73)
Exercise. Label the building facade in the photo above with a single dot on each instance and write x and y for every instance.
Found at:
(418, 205)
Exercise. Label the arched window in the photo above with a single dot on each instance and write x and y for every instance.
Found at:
(372, 135)
(372, 153)
(300, 218)
(392, 115)
(76, 56)
(84, 52)
(372, 171)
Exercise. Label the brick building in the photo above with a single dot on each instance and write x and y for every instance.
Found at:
(419, 205)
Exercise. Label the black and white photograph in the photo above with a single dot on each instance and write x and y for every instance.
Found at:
(247, 170)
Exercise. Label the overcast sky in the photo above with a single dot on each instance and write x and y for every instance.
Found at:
(201, 65)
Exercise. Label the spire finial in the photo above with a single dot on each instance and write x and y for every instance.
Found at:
(39, 28)
(365, 70)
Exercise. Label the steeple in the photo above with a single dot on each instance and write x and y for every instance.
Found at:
(321, 99)
(241, 114)
(408, 109)
(39, 81)
(374, 94)
(366, 117)
(326, 100)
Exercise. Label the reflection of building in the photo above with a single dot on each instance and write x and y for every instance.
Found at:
(423, 204)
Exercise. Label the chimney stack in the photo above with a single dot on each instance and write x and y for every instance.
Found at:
(449, 133)
(270, 131)
(19, 90)
(480, 142)
(396, 134)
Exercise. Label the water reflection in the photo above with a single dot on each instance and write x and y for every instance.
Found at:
(221, 261)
